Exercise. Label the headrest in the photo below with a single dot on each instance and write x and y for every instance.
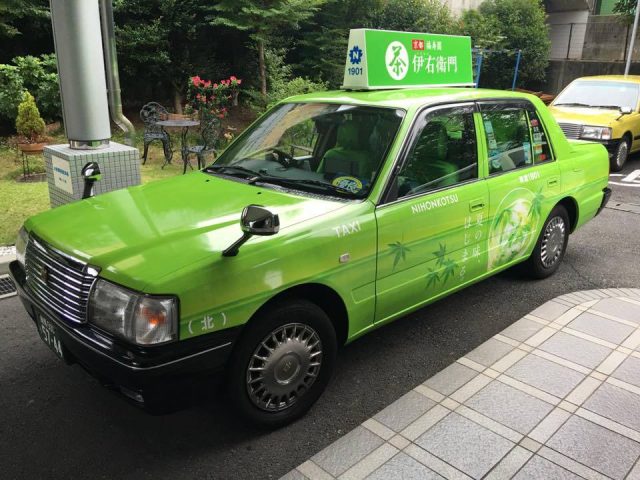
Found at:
(348, 136)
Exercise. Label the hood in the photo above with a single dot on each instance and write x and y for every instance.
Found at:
(585, 116)
(146, 232)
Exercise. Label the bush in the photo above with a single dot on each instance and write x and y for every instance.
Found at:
(11, 88)
(295, 86)
(35, 74)
(29, 123)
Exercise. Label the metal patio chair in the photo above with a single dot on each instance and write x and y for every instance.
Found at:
(210, 130)
(151, 113)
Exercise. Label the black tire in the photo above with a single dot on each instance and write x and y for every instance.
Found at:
(542, 262)
(307, 381)
(621, 155)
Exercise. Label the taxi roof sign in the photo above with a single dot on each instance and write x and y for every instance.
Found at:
(380, 59)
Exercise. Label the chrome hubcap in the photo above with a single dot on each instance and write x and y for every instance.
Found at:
(621, 158)
(284, 366)
(553, 242)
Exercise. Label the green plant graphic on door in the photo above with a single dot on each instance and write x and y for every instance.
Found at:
(445, 268)
(514, 226)
(399, 250)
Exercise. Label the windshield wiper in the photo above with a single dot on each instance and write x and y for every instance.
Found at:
(232, 169)
(608, 107)
(571, 104)
(306, 182)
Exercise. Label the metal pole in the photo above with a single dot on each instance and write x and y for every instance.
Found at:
(633, 39)
(515, 74)
(569, 42)
(479, 69)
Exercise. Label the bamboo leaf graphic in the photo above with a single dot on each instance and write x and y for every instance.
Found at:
(449, 269)
(433, 277)
(440, 255)
(399, 250)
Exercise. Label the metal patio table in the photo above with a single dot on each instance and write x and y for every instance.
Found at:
(184, 124)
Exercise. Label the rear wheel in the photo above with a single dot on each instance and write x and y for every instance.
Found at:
(551, 245)
(620, 155)
(283, 363)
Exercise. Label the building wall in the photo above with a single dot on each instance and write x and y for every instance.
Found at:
(458, 6)
(562, 72)
(567, 33)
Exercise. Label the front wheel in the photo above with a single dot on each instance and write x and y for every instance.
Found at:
(620, 156)
(283, 363)
(551, 245)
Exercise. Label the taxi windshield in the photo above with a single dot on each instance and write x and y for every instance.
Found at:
(322, 148)
(613, 95)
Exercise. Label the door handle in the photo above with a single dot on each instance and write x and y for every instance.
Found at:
(578, 170)
(474, 207)
(552, 182)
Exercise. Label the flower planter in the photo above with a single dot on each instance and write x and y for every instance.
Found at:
(31, 148)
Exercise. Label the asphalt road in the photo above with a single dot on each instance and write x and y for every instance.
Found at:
(57, 422)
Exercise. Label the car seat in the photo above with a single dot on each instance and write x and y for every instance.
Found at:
(348, 156)
(428, 165)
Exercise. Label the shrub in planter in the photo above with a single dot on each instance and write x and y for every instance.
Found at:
(29, 124)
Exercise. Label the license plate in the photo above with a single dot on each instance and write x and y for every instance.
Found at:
(47, 331)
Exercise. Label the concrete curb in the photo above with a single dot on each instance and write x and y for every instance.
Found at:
(5, 260)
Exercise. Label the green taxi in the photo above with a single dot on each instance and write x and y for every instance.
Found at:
(332, 215)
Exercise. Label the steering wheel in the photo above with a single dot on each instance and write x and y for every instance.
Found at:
(283, 158)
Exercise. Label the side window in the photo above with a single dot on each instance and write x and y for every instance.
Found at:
(508, 138)
(443, 153)
(541, 149)
(300, 139)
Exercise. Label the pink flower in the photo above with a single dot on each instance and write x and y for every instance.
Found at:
(239, 81)
(232, 78)
(215, 85)
(195, 80)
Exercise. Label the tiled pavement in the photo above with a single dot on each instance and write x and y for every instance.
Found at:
(556, 395)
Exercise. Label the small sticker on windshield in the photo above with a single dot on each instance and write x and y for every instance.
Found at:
(352, 184)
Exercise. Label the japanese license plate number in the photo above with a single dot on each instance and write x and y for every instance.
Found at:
(47, 331)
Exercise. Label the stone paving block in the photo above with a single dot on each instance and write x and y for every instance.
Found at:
(609, 330)
(545, 375)
(347, 451)
(547, 427)
(629, 371)
(489, 352)
(509, 406)
(598, 448)
(538, 468)
(404, 467)
(510, 464)
(404, 410)
(465, 445)
(294, 475)
(451, 378)
(370, 463)
(550, 310)
(634, 474)
(616, 404)
(522, 329)
(578, 350)
(619, 308)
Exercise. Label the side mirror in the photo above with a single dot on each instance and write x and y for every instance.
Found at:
(626, 110)
(255, 220)
(91, 174)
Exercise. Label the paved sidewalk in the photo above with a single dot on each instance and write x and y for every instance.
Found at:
(554, 396)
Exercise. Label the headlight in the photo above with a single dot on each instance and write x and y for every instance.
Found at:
(21, 245)
(596, 133)
(141, 319)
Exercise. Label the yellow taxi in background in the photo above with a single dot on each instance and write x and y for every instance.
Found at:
(604, 109)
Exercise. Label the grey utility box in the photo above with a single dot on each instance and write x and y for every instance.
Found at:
(119, 165)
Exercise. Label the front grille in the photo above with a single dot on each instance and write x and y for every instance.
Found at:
(58, 281)
(571, 130)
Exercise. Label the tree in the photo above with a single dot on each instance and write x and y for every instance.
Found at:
(626, 9)
(432, 16)
(160, 42)
(510, 25)
(12, 11)
(263, 20)
(321, 44)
